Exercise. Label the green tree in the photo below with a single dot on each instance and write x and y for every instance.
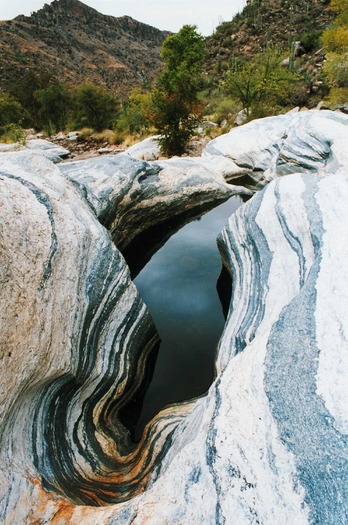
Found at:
(260, 81)
(175, 108)
(54, 103)
(94, 107)
(24, 91)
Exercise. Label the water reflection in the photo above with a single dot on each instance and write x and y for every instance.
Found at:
(179, 287)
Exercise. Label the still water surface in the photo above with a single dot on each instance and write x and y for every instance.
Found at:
(179, 286)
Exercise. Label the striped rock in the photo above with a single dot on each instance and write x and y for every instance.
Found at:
(271, 147)
(267, 444)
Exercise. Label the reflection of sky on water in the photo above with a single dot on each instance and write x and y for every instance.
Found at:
(179, 287)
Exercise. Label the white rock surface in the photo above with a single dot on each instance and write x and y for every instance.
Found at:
(275, 146)
(49, 150)
(147, 149)
(268, 443)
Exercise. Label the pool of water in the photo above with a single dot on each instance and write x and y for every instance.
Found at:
(178, 285)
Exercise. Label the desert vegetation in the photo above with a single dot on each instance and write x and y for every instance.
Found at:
(271, 80)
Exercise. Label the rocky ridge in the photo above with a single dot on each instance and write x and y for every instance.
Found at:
(75, 43)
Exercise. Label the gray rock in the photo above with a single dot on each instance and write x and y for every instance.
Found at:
(105, 151)
(5, 148)
(205, 125)
(241, 118)
(73, 135)
(120, 188)
(51, 151)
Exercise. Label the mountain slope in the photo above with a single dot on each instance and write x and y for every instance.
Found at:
(76, 43)
(268, 22)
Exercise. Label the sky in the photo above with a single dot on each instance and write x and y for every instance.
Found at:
(163, 14)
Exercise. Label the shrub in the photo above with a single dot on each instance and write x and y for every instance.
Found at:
(13, 133)
(337, 97)
(311, 40)
(11, 111)
(224, 109)
(261, 82)
(24, 90)
(134, 115)
(335, 39)
(336, 69)
(94, 107)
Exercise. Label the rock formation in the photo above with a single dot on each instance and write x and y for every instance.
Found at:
(309, 141)
(268, 443)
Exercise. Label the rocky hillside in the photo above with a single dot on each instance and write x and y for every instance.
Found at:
(268, 22)
(76, 43)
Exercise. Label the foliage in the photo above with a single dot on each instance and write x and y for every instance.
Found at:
(94, 107)
(176, 120)
(340, 6)
(175, 110)
(260, 80)
(335, 42)
(134, 115)
(311, 40)
(11, 111)
(338, 97)
(336, 69)
(335, 39)
(13, 133)
(221, 108)
(54, 104)
(24, 91)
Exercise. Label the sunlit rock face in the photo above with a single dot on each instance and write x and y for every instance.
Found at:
(308, 141)
(147, 149)
(267, 444)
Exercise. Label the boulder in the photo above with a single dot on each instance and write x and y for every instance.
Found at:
(206, 125)
(49, 150)
(296, 142)
(241, 118)
(75, 340)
